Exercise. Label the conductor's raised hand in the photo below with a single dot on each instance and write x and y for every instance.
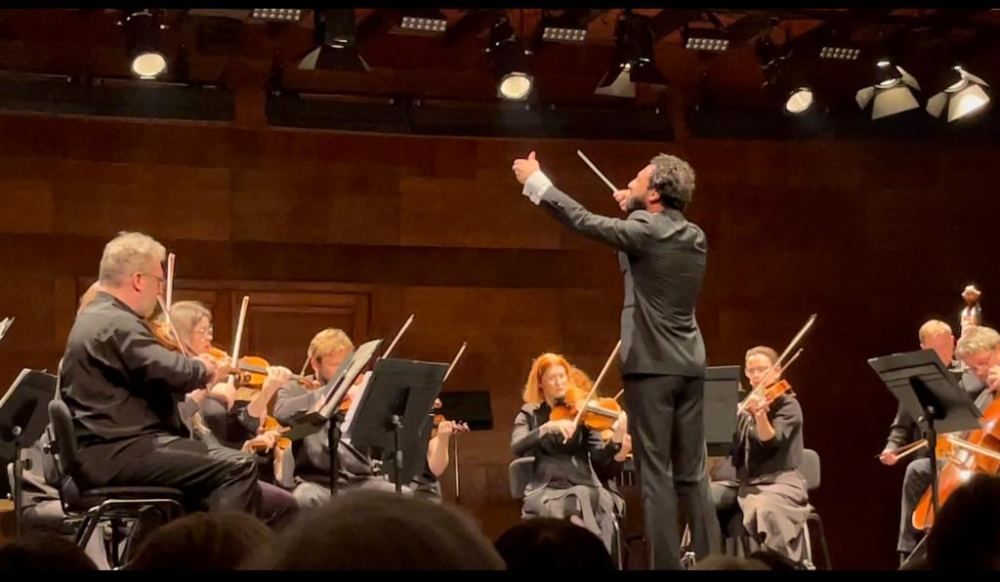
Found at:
(621, 197)
(525, 167)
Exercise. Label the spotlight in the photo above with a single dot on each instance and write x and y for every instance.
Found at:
(799, 100)
(558, 34)
(963, 95)
(424, 21)
(507, 57)
(142, 31)
(784, 75)
(633, 61)
(892, 92)
(335, 31)
(839, 53)
(277, 14)
(705, 39)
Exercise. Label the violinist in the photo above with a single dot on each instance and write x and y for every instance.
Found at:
(234, 423)
(425, 484)
(121, 386)
(238, 430)
(564, 482)
(933, 335)
(767, 451)
(326, 352)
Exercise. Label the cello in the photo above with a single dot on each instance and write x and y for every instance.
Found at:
(978, 452)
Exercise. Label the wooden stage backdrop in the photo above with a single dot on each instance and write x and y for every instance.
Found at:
(359, 231)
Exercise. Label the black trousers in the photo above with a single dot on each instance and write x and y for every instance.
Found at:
(916, 481)
(668, 440)
(212, 482)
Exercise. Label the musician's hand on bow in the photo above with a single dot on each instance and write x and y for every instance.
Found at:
(525, 167)
(224, 392)
(217, 370)
(564, 427)
(626, 445)
(620, 428)
(757, 404)
(277, 376)
(888, 458)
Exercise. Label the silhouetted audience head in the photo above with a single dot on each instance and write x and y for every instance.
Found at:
(203, 541)
(720, 562)
(966, 532)
(775, 561)
(546, 543)
(43, 552)
(375, 530)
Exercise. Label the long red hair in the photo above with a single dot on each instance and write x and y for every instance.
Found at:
(533, 387)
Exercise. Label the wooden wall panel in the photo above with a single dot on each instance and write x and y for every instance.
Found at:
(874, 236)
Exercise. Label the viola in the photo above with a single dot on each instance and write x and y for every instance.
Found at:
(599, 414)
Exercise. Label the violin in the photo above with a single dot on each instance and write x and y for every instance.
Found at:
(599, 414)
(772, 392)
(251, 374)
(161, 331)
(438, 418)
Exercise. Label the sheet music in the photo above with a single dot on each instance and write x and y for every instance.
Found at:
(349, 418)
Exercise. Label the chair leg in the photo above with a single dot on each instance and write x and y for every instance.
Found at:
(116, 543)
(822, 540)
(88, 526)
(807, 560)
(616, 544)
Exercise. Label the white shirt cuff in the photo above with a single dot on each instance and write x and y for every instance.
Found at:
(535, 186)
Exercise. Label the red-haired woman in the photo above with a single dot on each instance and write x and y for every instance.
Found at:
(564, 483)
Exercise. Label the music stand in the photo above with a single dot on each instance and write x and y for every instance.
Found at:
(471, 407)
(930, 394)
(23, 418)
(393, 410)
(722, 397)
(326, 411)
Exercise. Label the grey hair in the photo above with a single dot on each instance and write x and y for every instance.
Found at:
(978, 339)
(672, 177)
(186, 314)
(128, 253)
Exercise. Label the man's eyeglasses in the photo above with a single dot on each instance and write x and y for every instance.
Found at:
(159, 280)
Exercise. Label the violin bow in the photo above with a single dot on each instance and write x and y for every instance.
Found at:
(395, 340)
(795, 340)
(593, 390)
(238, 339)
(170, 325)
(171, 258)
(461, 351)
